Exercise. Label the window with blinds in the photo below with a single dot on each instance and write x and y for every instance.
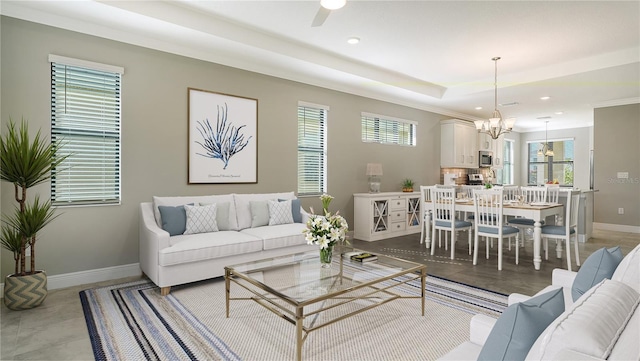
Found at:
(312, 155)
(85, 124)
(388, 130)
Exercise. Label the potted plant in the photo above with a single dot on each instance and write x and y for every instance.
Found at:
(407, 185)
(25, 163)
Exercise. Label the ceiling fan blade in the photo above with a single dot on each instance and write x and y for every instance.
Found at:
(320, 17)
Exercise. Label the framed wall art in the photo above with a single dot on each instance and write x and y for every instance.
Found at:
(223, 138)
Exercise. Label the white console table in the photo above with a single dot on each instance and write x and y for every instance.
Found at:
(387, 214)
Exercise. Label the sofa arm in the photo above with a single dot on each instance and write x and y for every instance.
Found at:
(517, 297)
(151, 240)
(562, 278)
(571, 355)
(480, 327)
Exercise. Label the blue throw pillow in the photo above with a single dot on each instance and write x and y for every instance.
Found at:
(599, 265)
(520, 325)
(295, 209)
(174, 219)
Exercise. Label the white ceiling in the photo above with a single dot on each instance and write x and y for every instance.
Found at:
(432, 55)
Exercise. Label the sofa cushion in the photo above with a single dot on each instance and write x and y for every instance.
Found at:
(280, 212)
(203, 246)
(222, 215)
(283, 235)
(599, 265)
(520, 325)
(243, 209)
(628, 347)
(179, 201)
(628, 271)
(174, 219)
(259, 213)
(592, 325)
(201, 219)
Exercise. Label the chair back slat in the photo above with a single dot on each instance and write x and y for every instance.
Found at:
(534, 194)
(443, 202)
(488, 208)
(467, 190)
(511, 193)
(572, 212)
(553, 193)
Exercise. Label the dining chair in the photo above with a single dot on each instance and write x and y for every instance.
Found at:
(529, 195)
(425, 204)
(489, 222)
(567, 231)
(443, 205)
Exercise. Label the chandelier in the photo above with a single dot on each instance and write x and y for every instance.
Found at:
(496, 125)
(545, 150)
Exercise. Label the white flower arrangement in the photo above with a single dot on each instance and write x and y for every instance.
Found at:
(326, 230)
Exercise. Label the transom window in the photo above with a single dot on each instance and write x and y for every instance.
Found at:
(388, 130)
(85, 124)
(312, 149)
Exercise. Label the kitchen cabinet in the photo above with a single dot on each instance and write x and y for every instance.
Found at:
(458, 144)
(387, 214)
(486, 143)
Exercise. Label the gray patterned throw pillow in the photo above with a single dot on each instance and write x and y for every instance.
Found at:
(280, 213)
(201, 219)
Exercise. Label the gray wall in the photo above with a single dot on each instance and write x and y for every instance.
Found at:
(617, 149)
(154, 138)
(582, 148)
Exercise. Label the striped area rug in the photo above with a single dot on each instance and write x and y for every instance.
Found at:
(133, 322)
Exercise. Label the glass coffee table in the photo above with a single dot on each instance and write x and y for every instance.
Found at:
(296, 288)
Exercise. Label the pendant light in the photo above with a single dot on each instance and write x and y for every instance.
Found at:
(496, 125)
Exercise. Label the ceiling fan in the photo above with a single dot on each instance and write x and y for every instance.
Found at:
(326, 6)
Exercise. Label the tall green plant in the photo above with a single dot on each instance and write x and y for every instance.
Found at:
(25, 163)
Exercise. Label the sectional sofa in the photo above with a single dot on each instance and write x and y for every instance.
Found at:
(603, 323)
(177, 247)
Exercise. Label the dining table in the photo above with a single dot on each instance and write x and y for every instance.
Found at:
(537, 211)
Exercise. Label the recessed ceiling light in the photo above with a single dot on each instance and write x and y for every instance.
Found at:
(559, 113)
(478, 108)
(545, 98)
(332, 4)
(353, 40)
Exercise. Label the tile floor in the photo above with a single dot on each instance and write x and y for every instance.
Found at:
(57, 331)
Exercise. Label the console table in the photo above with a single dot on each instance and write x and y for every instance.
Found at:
(387, 214)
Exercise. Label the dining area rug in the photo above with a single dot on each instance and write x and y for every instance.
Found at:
(132, 321)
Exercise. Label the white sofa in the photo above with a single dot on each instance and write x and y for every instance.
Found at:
(604, 323)
(173, 260)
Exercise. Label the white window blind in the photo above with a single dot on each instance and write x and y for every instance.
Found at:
(85, 123)
(388, 130)
(312, 156)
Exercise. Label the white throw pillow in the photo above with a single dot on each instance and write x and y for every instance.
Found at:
(628, 270)
(592, 325)
(280, 213)
(201, 219)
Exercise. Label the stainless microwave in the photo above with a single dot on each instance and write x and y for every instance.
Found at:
(485, 159)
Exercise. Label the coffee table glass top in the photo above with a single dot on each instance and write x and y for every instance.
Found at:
(299, 278)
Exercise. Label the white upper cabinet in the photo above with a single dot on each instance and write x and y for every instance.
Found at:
(485, 143)
(458, 144)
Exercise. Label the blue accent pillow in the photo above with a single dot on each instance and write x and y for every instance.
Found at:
(295, 209)
(599, 265)
(174, 219)
(520, 325)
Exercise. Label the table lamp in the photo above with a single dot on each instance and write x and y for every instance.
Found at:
(374, 171)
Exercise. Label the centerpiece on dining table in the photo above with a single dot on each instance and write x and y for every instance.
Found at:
(326, 230)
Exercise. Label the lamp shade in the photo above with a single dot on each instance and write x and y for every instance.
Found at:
(374, 169)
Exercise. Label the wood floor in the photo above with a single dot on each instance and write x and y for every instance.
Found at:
(57, 331)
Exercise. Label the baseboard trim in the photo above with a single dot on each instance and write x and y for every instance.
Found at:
(616, 227)
(90, 276)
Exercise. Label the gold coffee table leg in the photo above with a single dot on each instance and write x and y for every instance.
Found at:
(299, 340)
(227, 286)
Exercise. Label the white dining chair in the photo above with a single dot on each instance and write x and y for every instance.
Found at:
(529, 195)
(567, 231)
(488, 205)
(425, 204)
(443, 202)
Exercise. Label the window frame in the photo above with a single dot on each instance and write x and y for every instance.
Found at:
(88, 126)
(550, 161)
(508, 162)
(395, 137)
(320, 148)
